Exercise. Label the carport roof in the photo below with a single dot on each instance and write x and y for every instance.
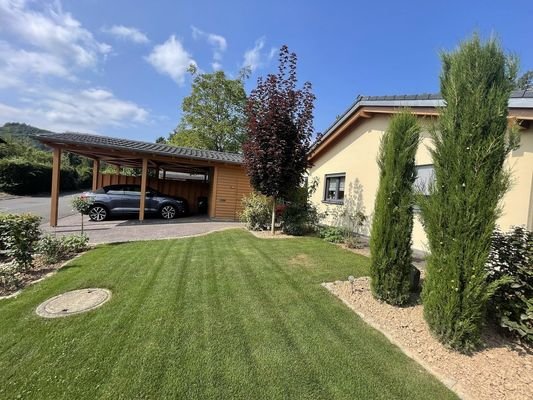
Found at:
(142, 148)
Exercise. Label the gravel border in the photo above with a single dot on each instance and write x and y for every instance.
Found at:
(501, 370)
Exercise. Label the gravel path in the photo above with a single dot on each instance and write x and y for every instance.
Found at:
(502, 370)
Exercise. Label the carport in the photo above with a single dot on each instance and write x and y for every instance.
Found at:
(225, 181)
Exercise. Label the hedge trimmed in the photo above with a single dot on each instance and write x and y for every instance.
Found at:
(20, 176)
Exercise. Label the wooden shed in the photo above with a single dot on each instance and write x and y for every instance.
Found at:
(224, 184)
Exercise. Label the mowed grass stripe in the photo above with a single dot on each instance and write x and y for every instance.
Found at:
(226, 315)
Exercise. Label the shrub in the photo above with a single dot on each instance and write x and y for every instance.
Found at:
(19, 234)
(392, 225)
(350, 216)
(23, 176)
(53, 249)
(9, 279)
(332, 234)
(511, 260)
(256, 213)
(300, 216)
(471, 143)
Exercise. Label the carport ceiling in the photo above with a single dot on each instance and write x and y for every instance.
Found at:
(130, 153)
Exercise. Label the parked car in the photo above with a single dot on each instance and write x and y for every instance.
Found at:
(116, 200)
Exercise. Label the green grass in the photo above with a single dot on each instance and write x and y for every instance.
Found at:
(223, 316)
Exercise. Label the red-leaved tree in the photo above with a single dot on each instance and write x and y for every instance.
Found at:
(279, 130)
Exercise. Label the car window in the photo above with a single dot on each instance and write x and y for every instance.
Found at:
(132, 190)
(114, 190)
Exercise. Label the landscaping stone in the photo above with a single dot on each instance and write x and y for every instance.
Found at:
(74, 302)
(502, 369)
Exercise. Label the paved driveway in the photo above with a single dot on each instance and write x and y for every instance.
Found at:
(120, 230)
(39, 205)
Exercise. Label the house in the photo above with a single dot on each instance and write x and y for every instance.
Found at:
(225, 181)
(344, 158)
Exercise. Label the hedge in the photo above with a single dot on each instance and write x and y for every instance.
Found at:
(20, 176)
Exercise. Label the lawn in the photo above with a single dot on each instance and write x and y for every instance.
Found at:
(223, 316)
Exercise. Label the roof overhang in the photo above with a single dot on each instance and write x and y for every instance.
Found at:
(131, 153)
(520, 109)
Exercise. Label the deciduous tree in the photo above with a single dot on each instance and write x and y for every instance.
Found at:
(213, 114)
(279, 130)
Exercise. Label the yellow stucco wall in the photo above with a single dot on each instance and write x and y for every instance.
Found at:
(355, 155)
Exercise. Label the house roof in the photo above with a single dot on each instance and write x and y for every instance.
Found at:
(518, 100)
(142, 148)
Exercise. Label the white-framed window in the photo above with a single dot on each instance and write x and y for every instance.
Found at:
(334, 188)
(425, 175)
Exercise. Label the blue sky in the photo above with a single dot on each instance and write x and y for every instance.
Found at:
(118, 67)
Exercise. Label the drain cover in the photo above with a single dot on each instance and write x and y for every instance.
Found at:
(74, 302)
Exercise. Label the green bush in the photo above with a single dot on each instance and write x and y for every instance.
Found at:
(392, 225)
(22, 176)
(471, 143)
(256, 213)
(19, 233)
(511, 260)
(300, 216)
(332, 234)
(54, 249)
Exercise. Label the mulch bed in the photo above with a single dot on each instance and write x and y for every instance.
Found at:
(39, 272)
(502, 369)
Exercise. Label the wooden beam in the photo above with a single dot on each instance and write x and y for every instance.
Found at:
(96, 172)
(144, 178)
(56, 179)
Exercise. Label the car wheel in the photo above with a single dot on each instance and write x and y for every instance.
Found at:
(98, 213)
(168, 212)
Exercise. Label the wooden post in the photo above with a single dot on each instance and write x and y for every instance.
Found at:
(56, 179)
(213, 192)
(96, 172)
(144, 177)
(117, 169)
(164, 174)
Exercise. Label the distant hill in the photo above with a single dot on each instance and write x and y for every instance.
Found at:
(24, 132)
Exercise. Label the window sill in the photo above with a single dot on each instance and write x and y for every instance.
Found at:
(334, 202)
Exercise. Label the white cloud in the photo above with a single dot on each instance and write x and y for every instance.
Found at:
(216, 66)
(86, 110)
(218, 43)
(171, 58)
(253, 57)
(127, 33)
(51, 30)
(16, 65)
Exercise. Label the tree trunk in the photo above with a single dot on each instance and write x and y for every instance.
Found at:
(273, 226)
(81, 223)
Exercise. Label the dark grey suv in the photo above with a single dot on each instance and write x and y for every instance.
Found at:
(116, 200)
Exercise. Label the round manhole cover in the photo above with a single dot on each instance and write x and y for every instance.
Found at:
(74, 302)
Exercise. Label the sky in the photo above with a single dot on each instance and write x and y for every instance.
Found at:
(119, 68)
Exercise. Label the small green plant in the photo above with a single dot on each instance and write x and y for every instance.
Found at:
(256, 211)
(82, 204)
(19, 233)
(332, 234)
(511, 259)
(54, 249)
(392, 225)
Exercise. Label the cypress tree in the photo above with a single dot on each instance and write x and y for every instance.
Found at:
(392, 225)
(471, 143)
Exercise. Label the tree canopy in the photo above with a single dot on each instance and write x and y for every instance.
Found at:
(213, 114)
